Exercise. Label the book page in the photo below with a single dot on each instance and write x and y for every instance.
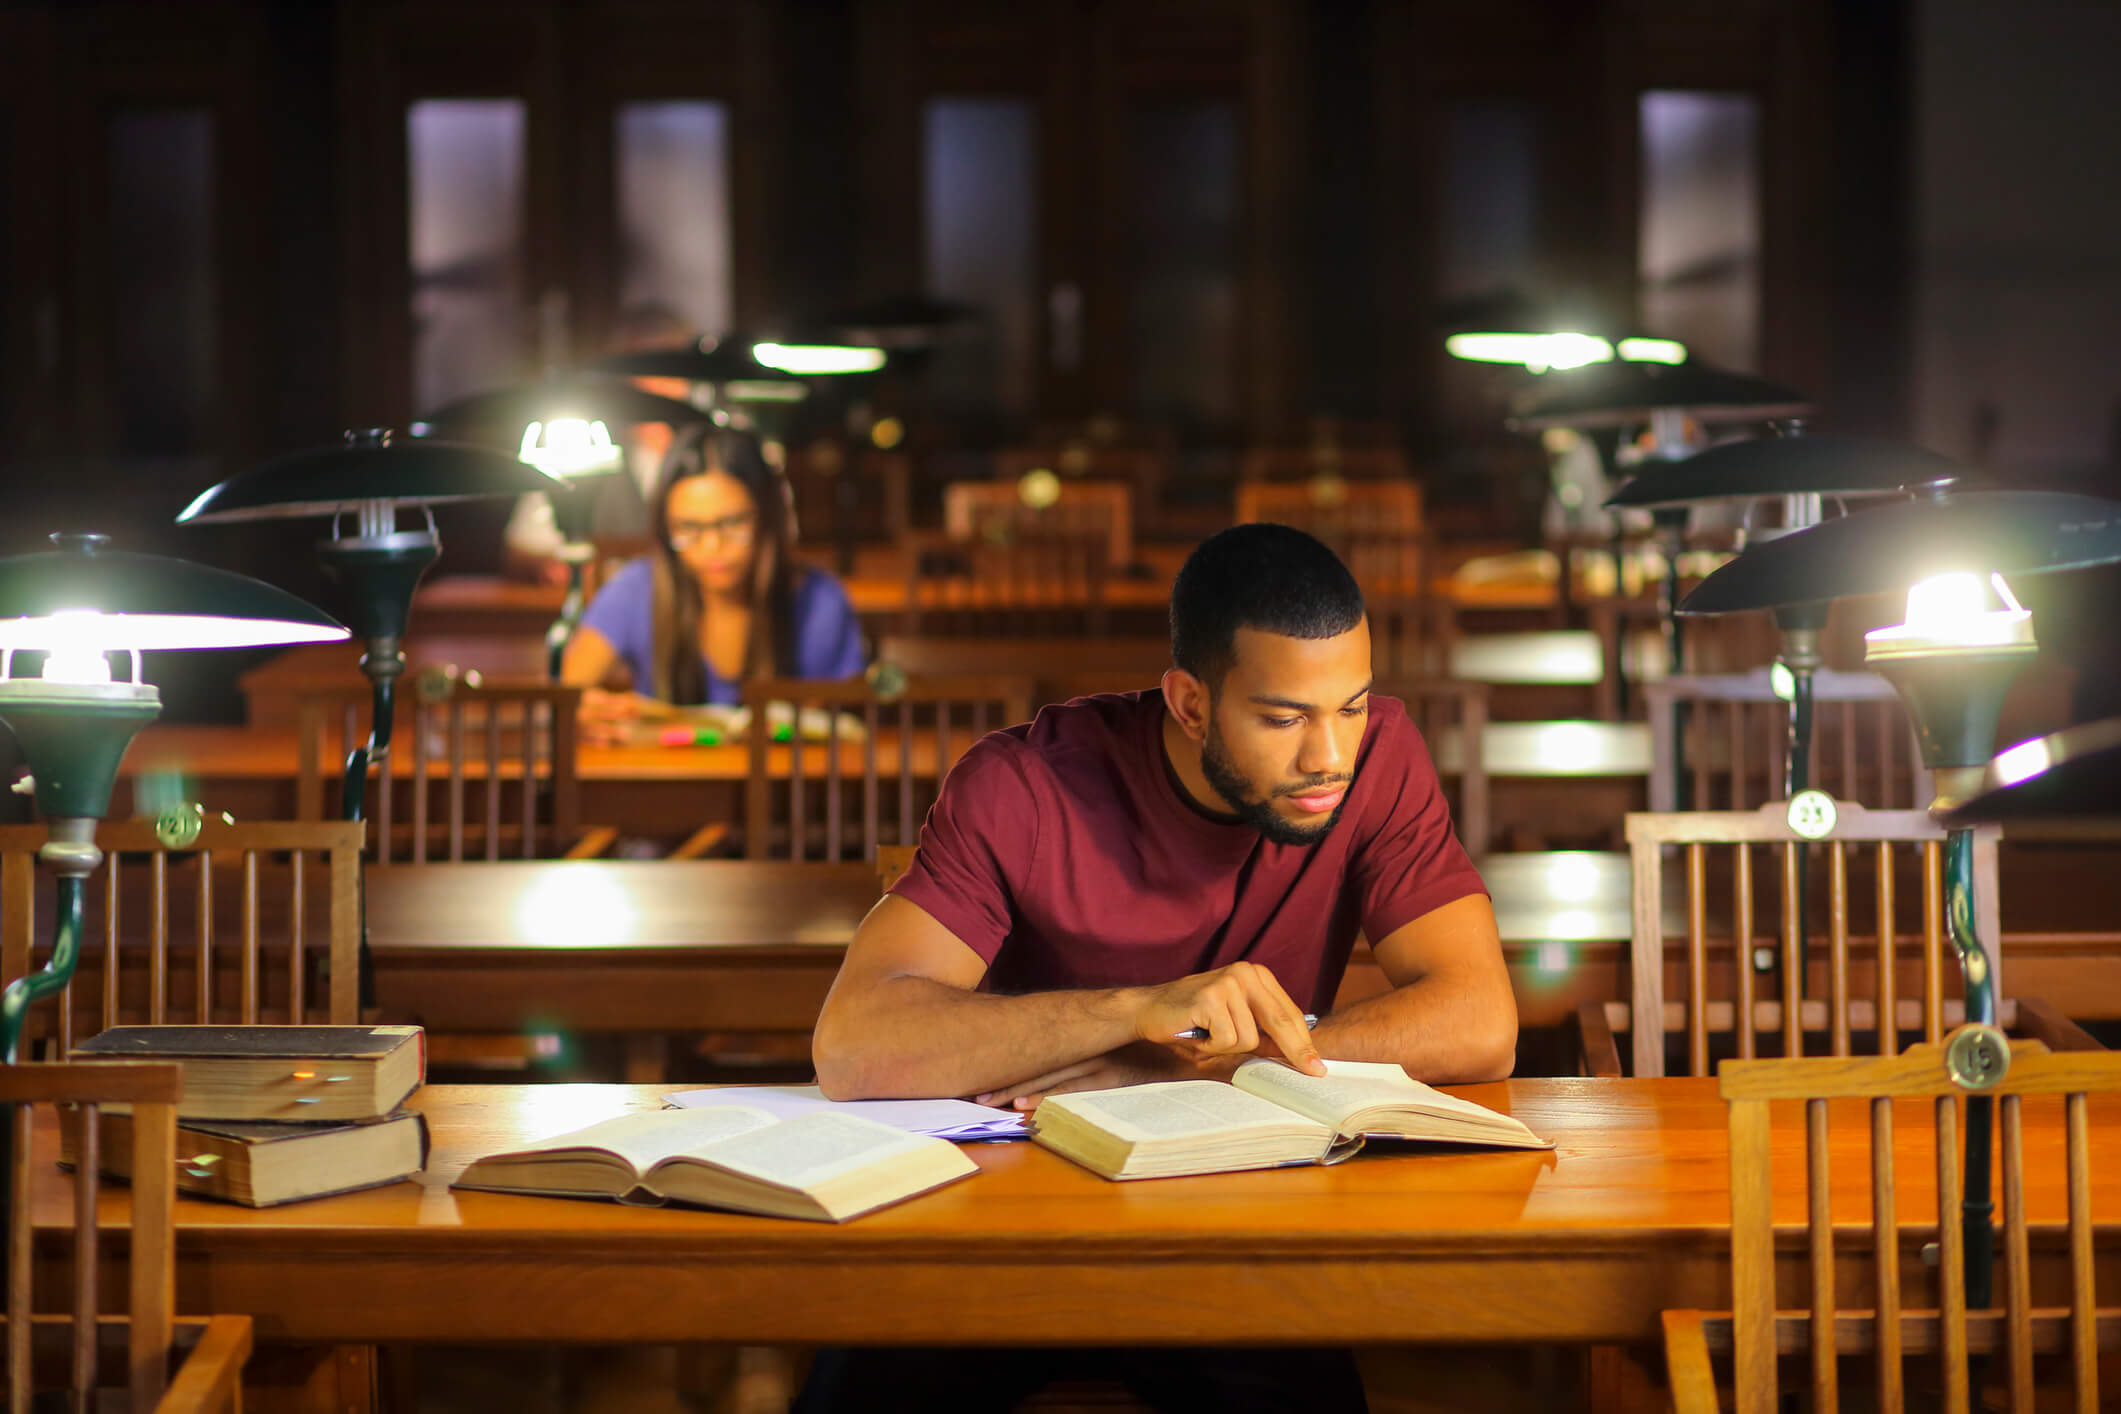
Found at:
(808, 1149)
(1173, 1109)
(1352, 1086)
(647, 1137)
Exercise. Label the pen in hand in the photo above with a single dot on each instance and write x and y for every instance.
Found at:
(1200, 1033)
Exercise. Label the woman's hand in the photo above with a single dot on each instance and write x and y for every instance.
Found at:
(607, 717)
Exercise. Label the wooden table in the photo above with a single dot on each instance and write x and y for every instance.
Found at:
(640, 787)
(1627, 1216)
(664, 946)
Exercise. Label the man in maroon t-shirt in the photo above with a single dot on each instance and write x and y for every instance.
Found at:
(1128, 868)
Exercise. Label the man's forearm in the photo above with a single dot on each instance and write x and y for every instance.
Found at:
(1440, 1030)
(915, 1038)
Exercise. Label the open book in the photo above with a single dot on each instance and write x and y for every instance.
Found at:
(824, 1166)
(1269, 1115)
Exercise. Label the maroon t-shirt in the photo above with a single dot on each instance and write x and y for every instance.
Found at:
(1064, 855)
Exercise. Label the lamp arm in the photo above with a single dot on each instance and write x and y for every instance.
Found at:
(25, 992)
(1976, 1210)
(562, 630)
(383, 706)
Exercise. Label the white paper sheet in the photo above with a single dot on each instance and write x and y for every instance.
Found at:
(956, 1120)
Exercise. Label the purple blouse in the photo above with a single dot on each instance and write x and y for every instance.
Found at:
(825, 635)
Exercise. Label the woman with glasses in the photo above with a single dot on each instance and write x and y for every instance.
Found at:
(718, 600)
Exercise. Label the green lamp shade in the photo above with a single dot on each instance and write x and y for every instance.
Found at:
(369, 468)
(1883, 551)
(2074, 772)
(147, 602)
(727, 363)
(1766, 467)
(501, 414)
(903, 322)
(1626, 391)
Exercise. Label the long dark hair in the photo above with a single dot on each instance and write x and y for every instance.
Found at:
(680, 675)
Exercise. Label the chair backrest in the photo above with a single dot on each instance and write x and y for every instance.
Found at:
(1327, 506)
(1888, 839)
(1057, 667)
(489, 767)
(1452, 717)
(996, 511)
(1045, 584)
(1737, 742)
(1323, 461)
(892, 862)
(1939, 1323)
(1141, 470)
(856, 762)
(151, 1091)
(246, 923)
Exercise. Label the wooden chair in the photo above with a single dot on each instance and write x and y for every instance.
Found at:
(224, 928)
(1141, 471)
(996, 511)
(801, 796)
(1452, 717)
(1737, 742)
(892, 862)
(1718, 984)
(500, 757)
(169, 1365)
(1329, 507)
(1890, 1319)
(1324, 461)
(1058, 668)
(1043, 584)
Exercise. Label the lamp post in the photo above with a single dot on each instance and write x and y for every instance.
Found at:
(1963, 640)
(77, 604)
(561, 426)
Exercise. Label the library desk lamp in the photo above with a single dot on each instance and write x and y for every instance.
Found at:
(77, 604)
(1663, 397)
(562, 426)
(1803, 474)
(1964, 639)
(726, 371)
(903, 324)
(369, 479)
(2073, 774)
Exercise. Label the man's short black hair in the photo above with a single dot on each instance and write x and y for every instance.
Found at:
(1269, 577)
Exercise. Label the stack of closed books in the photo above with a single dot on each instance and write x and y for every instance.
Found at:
(272, 1114)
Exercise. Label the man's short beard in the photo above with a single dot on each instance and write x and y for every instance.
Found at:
(1229, 783)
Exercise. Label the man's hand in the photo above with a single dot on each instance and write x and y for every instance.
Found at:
(1241, 1007)
(1138, 1064)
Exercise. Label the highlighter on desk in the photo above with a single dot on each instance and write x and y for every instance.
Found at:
(688, 736)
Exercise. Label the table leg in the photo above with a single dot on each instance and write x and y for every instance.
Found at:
(311, 1379)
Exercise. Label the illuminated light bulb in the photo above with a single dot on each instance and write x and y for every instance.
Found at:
(569, 446)
(1653, 350)
(1782, 682)
(77, 646)
(818, 358)
(1951, 610)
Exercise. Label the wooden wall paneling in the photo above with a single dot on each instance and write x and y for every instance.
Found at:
(34, 325)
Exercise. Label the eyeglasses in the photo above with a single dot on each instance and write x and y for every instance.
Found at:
(731, 529)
